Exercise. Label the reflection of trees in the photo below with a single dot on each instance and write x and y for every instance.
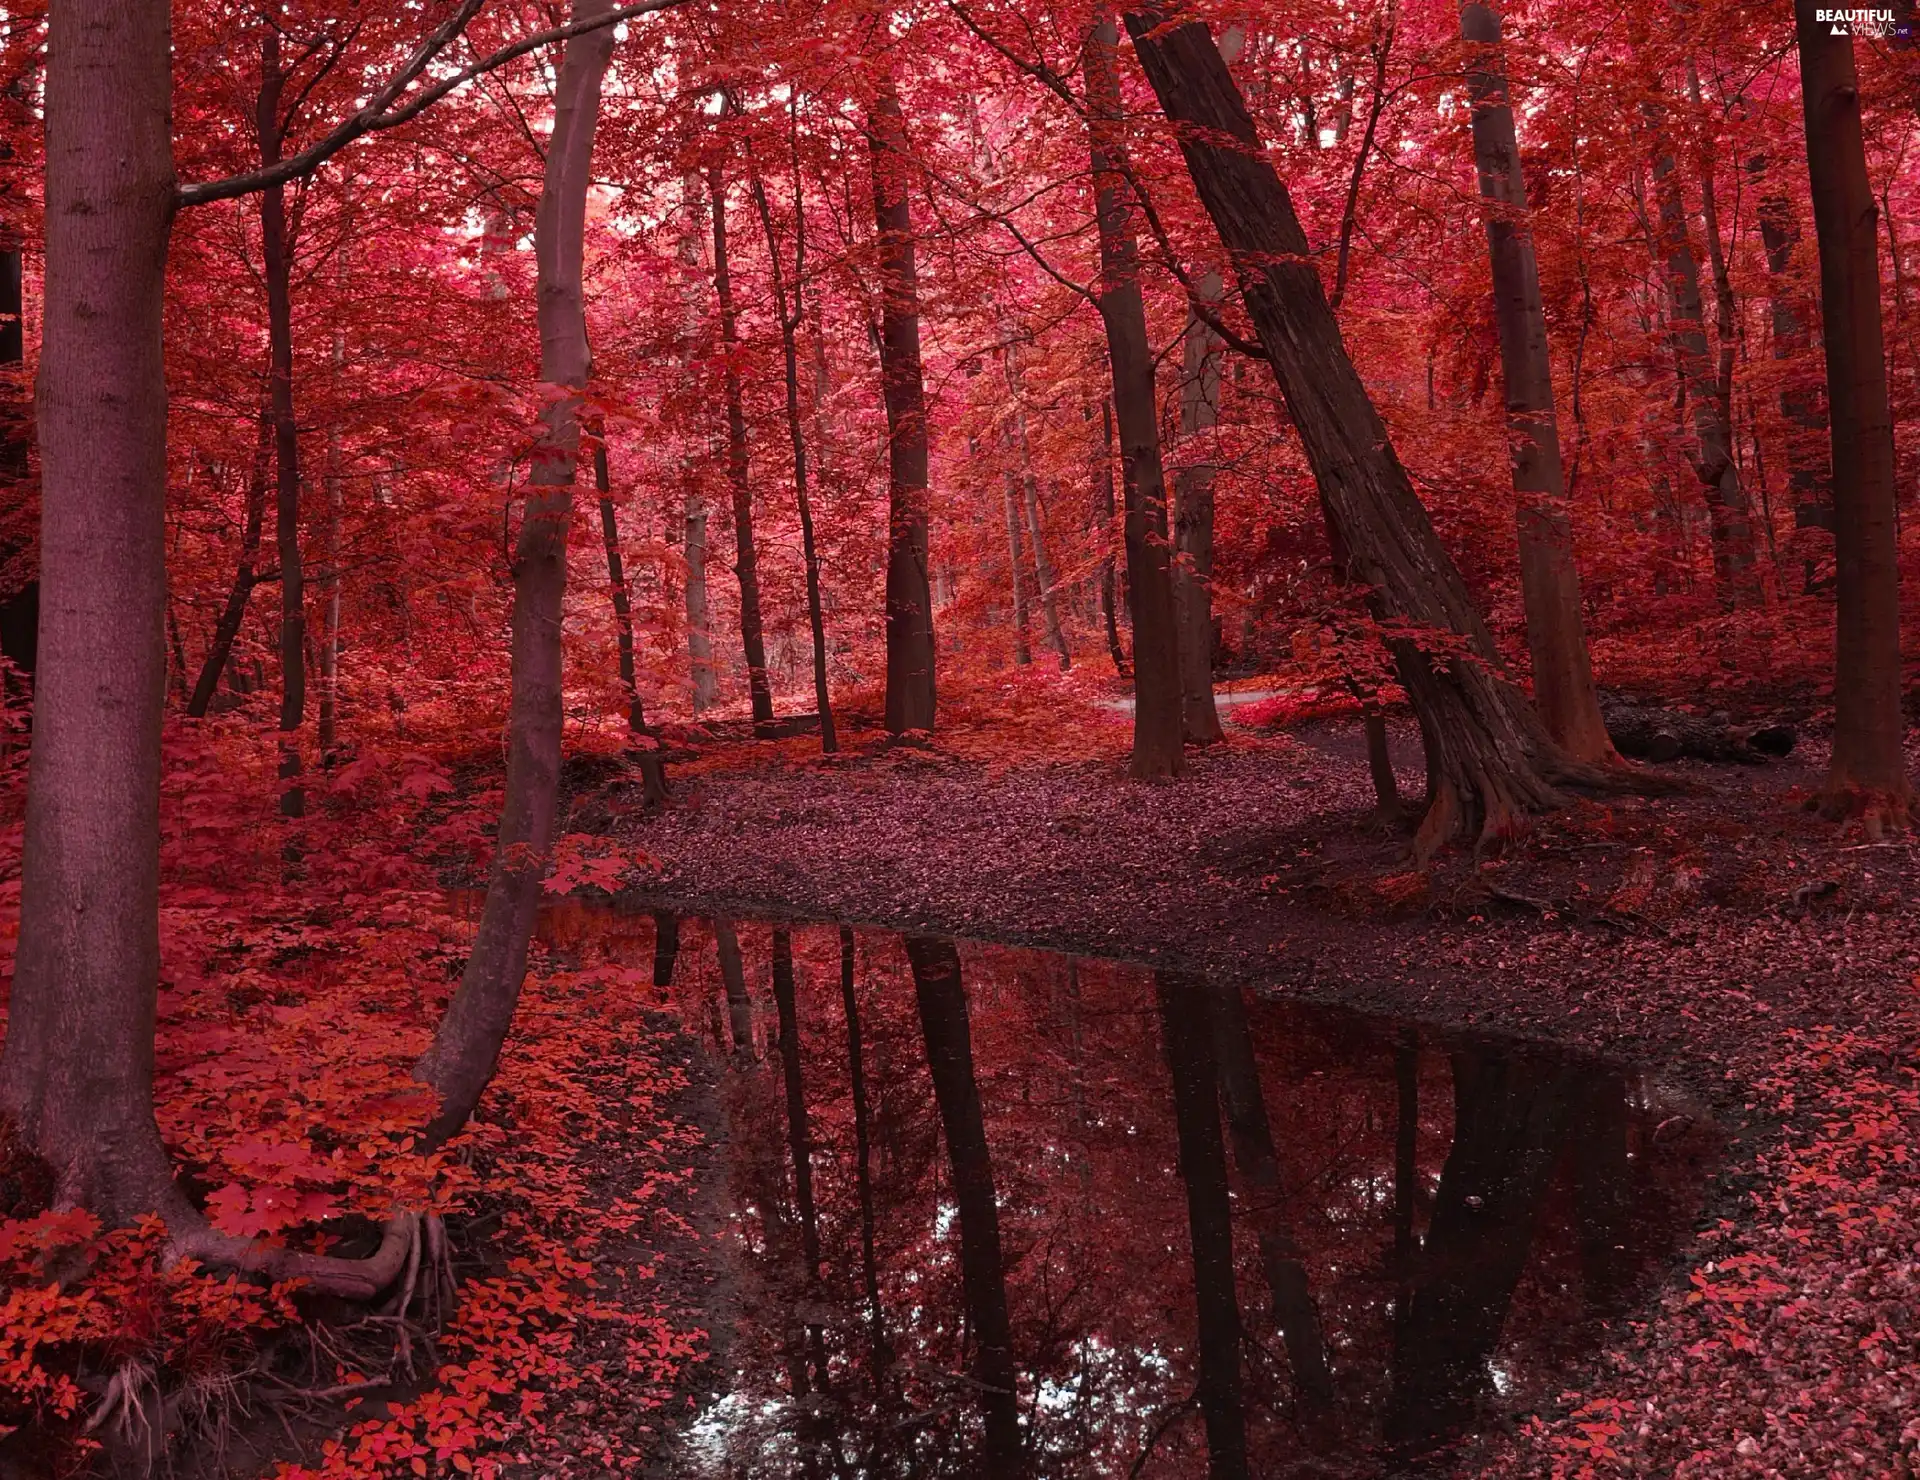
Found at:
(733, 974)
(982, 1232)
(1203, 1168)
(1510, 1119)
(943, 1020)
(666, 946)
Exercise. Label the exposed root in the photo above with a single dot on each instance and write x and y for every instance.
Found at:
(1879, 811)
(123, 1411)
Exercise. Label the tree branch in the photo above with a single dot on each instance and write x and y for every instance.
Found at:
(386, 111)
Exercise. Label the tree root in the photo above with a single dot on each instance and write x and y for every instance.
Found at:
(403, 1240)
(1878, 811)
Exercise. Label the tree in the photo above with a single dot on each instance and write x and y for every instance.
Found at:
(910, 689)
(1549, 582)
(1491, 760)
(1868, 776)
(1156, 654)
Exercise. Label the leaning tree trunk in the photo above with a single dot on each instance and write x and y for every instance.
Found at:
(227, 628)
(1103, 508)
(1563, 687)
(276, 254)
(461, 1058)
(910, 691)
(76, 1076)
(1868, 776)
(1156, 654)
(1193, 526)
(746, 559)
(1729, 511)
(1491, 759)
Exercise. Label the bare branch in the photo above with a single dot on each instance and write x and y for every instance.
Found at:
(386, 111)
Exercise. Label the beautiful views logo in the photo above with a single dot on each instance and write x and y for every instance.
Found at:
(1875, 23)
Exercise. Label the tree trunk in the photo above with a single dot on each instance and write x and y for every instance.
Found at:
(228, 626)
(1492, 759)
(1808, 470)
(1868, 776)
(653, 771)
(1203, 1169)
(733, 976)
(1193, 526)
(1017, 574)
(76, 1075)
(790, 316)
(1563, 689)
(276, 253)
(910, 690)
(699, 629)
(799, 1138)
(746, 561)
(1510, 1123)
(666, 946)
(1042, 567)
(1103, 506)
(1730, 519)
(1156, 655)
(943, 1021)
(1259, 1164)
(329, 732)
(466, 1046)
(863, 1160)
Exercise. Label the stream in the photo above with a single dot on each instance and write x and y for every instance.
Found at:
(979, 1211)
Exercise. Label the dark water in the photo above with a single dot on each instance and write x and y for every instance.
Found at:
(994, 1212)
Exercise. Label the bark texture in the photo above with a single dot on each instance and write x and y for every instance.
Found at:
(1492, 760)
(1193, 525)
(909, 596)
(1868, 775)
(76, 1075)
(1156, 656)
(1809, 479)
(1563, 688)
(461, 1059)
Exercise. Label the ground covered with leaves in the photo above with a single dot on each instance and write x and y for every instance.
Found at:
(304, 969)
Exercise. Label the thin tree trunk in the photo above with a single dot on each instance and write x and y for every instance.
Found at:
(1868, 776)
(329, 732)
(76, 1072)
(790, 316)
(244, 578)
(1103, 505)
(1730, 516)
(1043, 568)
(1203, 1170)
(278, 269)
(1156, 654)
(704, 677)
(1491, 757)
(943, 1021)
(799, 1137)
(653, 772)
(1258, 1162)
(746, 560)
(733, 975)
(910, 653)
(1017, 573)
(1563, 688)
(466, 1046)
(1193, 525)
(863, 1160)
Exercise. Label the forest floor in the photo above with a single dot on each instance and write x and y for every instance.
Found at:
(1725, 936)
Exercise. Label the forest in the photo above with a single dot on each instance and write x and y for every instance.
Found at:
(820, 738)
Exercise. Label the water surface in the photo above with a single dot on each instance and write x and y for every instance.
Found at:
(992, 1212)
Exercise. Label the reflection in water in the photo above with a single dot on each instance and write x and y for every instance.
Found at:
(1001, 1213)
